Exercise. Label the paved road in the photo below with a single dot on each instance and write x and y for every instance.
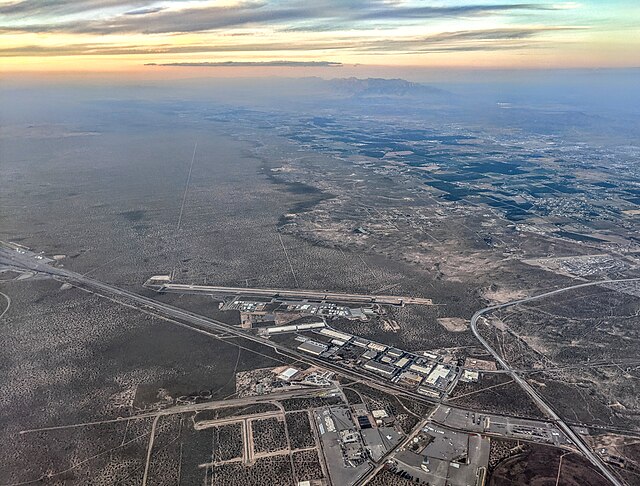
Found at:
(197, 407)
(190, 319)
(207, 424)
(196, 321)
(8, 304)
(575, 438)
(292, 294)
(152, 436)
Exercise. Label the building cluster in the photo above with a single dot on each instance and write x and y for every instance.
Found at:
(441, 456)
(588, 265)
(338, 422)
(263, 381)
(426, 374)
(278, 306)
(261, 311)
(353, 436)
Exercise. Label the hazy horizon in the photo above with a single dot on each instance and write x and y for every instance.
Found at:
(327, 243)
(124, 35)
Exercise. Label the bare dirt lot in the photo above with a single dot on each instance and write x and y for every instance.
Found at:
(541, 466)
(453, 324)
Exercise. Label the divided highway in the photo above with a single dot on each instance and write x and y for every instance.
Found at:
(12, 258)
(535, 396)
(196, 321)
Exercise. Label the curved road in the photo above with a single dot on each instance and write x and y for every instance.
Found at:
(190, 319)
(575, 438)
(8, 304)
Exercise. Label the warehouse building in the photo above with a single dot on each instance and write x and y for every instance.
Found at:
(336, 334)
(377, 347)
(423, 370)
(395, 352)
(313, 347)
(369, 354)
(402, 362)
(381, 369)
(361, 343)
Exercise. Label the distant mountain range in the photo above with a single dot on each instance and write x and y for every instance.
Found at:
(372, 87)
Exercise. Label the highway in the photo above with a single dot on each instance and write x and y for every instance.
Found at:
(290, 294)
(10, 257)
(195, 321)
(535, 396)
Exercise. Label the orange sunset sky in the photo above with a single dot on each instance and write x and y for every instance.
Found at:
(307, 36)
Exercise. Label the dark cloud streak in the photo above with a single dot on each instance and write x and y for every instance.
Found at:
(465, 40)
(457, 11)
(143, 17)
(251, 64)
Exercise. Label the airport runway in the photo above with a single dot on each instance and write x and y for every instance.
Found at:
(291, 294)
(10, 257)
(195, 321)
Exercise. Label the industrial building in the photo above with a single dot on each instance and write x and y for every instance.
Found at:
(341, 336)
(430, 392)
(380, 368)
(402, 362)
(287, 374)
(369, 354)
(313, 347)
(377, 346)
(439, 377)
(361, 343)
(411, 379)
(470, 376)
(423, 370)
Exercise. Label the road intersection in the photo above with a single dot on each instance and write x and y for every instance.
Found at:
(20, 260)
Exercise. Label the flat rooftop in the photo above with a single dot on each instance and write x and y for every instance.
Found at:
(312, 347)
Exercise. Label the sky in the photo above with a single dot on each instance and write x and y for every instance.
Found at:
(309, 36)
